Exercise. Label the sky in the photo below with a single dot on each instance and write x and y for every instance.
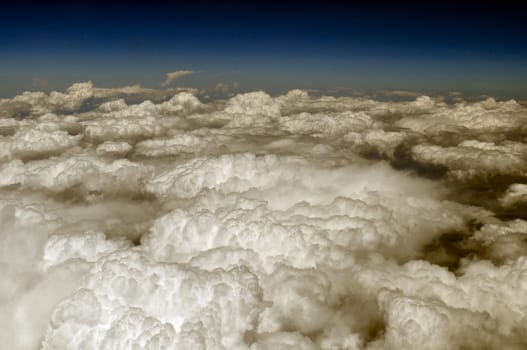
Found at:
(272, 46)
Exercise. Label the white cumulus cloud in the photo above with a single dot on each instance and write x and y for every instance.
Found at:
(134, 218)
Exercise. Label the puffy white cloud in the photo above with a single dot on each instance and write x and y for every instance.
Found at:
(181, 143)
(246, 111)
(476, 159)
(116, 120)
(83, 173)
(132, 128)
(325, 125)
(253, 103)
(88, 246)
(109, 148)
(129, 300)
(376, 141)
(242, 171)
(361, 221)
(487, 115)
(502, 241)
(27, 297)
(36, 142)
(144, 218)
(76, 96)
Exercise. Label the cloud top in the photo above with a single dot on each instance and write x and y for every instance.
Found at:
(135, 218)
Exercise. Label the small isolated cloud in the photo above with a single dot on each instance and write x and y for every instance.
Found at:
(171, 76)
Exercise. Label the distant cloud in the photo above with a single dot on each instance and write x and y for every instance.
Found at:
(171, 76)
(400, 93)
(221, 87)
(226, 88)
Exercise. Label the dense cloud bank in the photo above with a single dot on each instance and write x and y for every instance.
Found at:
(148, 219)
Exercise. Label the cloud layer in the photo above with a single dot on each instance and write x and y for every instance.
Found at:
(147, 219)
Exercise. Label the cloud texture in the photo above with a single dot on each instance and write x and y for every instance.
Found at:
(147, 219)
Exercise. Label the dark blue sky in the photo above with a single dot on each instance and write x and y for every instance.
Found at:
(272, 46)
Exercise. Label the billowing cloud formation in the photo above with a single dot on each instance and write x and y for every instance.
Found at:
(171, 76)
(260, 222)
(78, 96)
